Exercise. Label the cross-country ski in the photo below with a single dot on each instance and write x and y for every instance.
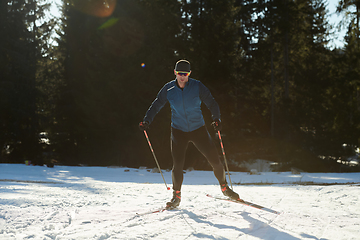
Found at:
(243, 202)
(159, 210)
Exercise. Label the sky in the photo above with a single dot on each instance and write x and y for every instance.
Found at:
(334, 19)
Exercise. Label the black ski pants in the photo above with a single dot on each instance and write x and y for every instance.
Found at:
(203, 142)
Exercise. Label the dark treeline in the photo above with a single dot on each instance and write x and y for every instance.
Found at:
(284, 95)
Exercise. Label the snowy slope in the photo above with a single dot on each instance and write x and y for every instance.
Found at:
(101, 203)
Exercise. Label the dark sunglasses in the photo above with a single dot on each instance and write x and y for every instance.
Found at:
(182, 73)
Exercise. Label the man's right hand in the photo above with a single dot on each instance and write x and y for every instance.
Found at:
(143, 126)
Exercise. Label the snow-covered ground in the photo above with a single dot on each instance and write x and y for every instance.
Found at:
(102, 203)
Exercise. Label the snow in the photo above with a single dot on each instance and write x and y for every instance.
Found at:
(102, 203)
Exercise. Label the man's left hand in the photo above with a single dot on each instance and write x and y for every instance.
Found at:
(217, 125)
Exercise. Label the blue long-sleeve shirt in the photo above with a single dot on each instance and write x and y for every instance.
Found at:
(185, 105)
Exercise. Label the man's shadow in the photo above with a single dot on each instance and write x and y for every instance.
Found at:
(258, 229)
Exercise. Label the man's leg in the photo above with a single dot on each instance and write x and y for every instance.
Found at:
(203, 142)
(179, 144)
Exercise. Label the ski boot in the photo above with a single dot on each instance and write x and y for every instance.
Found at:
(229, 193)
(175, 201)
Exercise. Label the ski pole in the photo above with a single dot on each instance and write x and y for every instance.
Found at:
(223, 152)
(157, 163)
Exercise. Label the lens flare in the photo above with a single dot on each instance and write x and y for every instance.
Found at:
(109, 23)
(97, 8)
(143, 65)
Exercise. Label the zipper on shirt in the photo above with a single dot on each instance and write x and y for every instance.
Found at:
(187, 121)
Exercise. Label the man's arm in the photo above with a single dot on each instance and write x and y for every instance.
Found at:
(209, 101)
(156, 105)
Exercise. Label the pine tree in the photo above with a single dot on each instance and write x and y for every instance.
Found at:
(106, 90)
(349, 120)
(20, 53)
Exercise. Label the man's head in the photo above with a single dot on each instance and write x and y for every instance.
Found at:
(182, 66)
(182, 71)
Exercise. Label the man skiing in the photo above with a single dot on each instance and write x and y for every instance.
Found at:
(185, 96)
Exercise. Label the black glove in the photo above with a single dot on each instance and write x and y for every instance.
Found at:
(217, 125)
(143, 126)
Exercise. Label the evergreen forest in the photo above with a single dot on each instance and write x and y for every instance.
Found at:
(74, 88)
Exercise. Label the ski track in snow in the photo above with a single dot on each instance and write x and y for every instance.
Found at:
(101, 203)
